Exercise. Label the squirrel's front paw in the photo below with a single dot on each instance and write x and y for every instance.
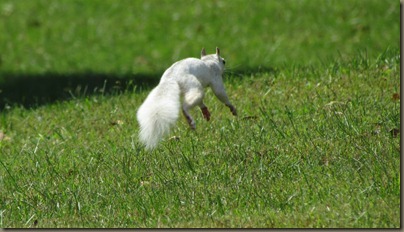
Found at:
(192, 126)
(233, 110)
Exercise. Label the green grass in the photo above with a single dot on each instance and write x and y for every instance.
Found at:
(315, 84)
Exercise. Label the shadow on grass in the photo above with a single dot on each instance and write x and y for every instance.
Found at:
(33, 90)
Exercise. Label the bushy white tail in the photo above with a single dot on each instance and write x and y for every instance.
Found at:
(158, 113)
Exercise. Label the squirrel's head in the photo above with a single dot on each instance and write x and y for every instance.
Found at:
(214, 58)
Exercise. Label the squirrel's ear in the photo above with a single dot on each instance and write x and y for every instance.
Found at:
(217, 51)
(203, 52)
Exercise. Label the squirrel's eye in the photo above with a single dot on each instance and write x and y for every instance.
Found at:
(224, 62)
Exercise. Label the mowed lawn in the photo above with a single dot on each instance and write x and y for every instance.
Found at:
(316, 143)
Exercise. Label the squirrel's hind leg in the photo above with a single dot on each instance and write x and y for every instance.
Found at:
(189, 118)
(205, 111)
(192, 98)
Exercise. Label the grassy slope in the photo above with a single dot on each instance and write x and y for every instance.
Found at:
(311, 148)
(136, 36)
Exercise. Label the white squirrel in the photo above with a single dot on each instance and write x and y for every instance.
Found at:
(186, 78)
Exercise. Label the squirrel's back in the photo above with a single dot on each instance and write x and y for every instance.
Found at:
(187, 69)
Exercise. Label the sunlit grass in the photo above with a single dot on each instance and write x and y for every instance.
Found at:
(316, 142)
(300, 154)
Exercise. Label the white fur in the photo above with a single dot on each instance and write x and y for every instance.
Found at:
(188, 78)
